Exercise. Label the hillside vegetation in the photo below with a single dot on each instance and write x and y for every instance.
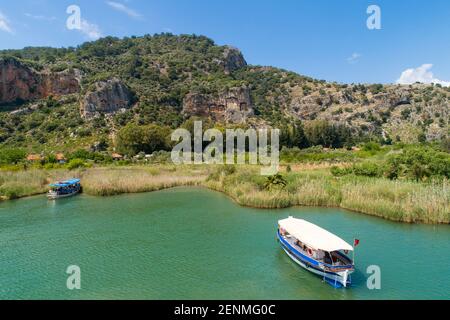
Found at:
(162, 69)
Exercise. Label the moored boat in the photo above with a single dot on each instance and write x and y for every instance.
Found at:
(317, 250)
(64, 189)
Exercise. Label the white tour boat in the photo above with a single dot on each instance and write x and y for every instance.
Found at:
(317, 250)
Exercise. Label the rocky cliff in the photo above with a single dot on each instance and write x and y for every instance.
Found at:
(233, 105)
(19, 82)
(108, 97)
(60, 83)
(398, 111)
(233, 60)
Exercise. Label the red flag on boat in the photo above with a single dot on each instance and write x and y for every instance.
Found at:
(355, 242)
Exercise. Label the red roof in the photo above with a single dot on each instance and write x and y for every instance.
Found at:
(34, 157)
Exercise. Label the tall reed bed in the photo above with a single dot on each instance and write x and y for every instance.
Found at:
(16, 184)
(107, 182)
(398, 200)
(405, 201)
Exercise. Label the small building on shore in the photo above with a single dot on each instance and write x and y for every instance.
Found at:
(60, 158)
(117, 156)
(34, 157)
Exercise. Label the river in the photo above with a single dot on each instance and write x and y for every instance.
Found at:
(189, 243)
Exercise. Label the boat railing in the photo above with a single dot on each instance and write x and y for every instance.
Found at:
(335, 267)
(324, 265)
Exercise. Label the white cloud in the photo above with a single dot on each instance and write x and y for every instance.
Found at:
(92, 31)
(40, 17)
(123, 8)
(421, 74)
(4, 23)
(354, 58)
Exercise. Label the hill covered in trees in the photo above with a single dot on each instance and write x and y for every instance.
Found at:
(101, 93)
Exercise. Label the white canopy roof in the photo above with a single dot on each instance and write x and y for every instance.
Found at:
(313, 236)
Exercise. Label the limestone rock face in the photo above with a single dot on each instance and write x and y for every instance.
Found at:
(314, 105)
(393, 98)
(109, 97)
(233, 60)
(233, 105)
(19, 82)
(61, 83)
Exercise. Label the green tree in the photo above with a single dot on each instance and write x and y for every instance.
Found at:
(80, 154)
(156, 138)
(130, 139)
(321, 132)
(12, 155)
(133, 139)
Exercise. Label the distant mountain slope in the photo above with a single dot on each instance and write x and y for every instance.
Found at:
(67, 97)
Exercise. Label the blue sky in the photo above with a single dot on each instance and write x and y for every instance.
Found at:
(322, 39)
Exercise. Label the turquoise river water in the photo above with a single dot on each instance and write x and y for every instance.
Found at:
(197, 244)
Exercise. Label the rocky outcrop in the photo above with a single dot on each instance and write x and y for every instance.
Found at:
(233, 60)
(108, 97)
(61, 83)
(392, 98)
(233, 105)
(19, 83)
(317, 104)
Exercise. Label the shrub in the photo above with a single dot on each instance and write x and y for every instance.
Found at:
(80, 154)
(419, 163)
(367, 169)
(371, 147)
(340, 172)
(229, 169)
(76, 163)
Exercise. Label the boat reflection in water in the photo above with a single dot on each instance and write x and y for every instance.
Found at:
(64, 189)
(317, 250)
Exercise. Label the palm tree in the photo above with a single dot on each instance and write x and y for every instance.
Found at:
(277, 180)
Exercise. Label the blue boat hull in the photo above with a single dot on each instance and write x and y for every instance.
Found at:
(335, 279)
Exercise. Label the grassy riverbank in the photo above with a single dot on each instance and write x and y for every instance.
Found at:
(397, 200)
(101, 181)
(19, 184)
(405, 201)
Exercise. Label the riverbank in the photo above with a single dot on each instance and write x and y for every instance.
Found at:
(404, 201)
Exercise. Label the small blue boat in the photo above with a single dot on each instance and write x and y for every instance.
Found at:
(316, 250)
(64, 189)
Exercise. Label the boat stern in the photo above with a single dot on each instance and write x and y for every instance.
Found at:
(52, 195)
(340, 279)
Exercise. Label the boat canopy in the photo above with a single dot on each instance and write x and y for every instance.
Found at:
(64, 184)
(313, 236)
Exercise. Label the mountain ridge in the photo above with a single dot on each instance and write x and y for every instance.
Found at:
(167, 79)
